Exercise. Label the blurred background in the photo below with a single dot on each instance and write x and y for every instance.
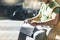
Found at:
(13, 10)
(18, 9)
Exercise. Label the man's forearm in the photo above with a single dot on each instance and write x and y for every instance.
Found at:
(51, 22)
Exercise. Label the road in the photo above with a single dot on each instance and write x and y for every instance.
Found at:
(9, 30)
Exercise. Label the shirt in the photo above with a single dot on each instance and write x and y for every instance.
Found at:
(46, 11)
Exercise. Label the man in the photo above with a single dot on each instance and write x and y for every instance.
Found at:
(47, 16)
(55, 32)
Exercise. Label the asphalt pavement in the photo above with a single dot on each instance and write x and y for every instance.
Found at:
(9, 30)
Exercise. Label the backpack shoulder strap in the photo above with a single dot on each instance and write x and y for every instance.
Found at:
(50, 15)
(55, 8)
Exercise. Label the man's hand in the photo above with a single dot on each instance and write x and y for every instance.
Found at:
(28, 21)
(33, 23)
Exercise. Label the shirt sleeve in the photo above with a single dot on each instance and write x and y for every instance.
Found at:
(56, 10)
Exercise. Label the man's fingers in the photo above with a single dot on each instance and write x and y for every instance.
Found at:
(33, 21)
